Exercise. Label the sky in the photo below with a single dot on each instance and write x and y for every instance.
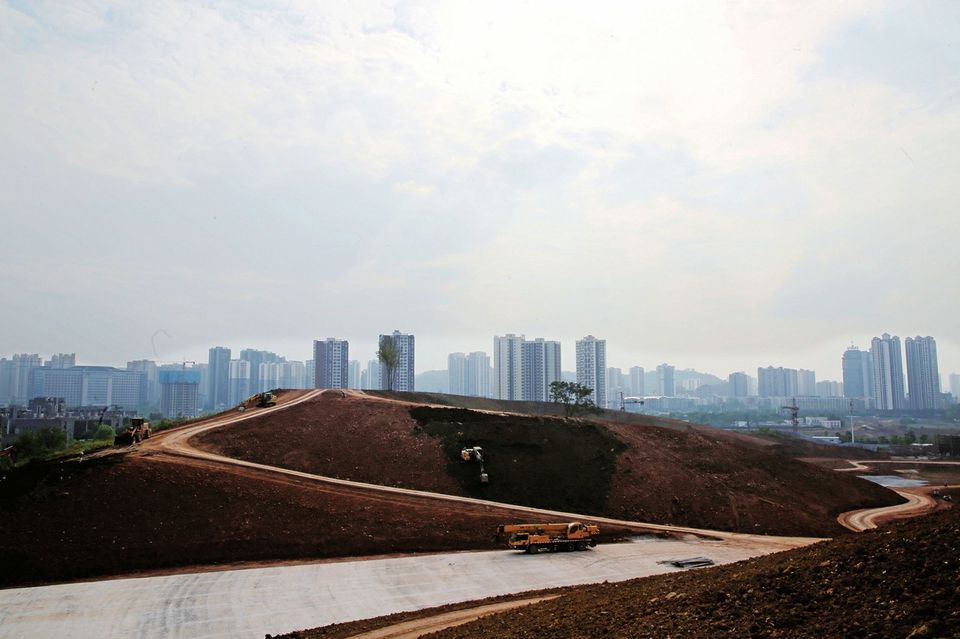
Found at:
(718, 186)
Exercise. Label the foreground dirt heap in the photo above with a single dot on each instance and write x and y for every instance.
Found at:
(128, 513)
(686, 474)
(902, 580)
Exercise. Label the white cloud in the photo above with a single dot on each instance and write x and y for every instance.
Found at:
(698, 178)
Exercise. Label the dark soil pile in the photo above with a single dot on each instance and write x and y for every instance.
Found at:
(687, 474)
(902, 580)
(548, 462)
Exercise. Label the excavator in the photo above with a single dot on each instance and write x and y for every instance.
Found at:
(260, 400)
(476, 454)
(137, 431)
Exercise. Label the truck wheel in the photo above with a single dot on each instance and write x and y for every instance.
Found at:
(581, 545)
(531, 549)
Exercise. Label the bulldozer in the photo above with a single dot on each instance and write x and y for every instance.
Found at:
(137, 431)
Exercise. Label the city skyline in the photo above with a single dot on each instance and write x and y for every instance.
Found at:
(836, 373)
(716, 186)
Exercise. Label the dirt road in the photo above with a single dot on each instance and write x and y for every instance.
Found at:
(919, 502)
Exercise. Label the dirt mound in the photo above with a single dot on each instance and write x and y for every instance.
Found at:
(703, 480)
(897, 581)
(687, 474)
(129, 513)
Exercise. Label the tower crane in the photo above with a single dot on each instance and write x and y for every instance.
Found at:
(628, 400)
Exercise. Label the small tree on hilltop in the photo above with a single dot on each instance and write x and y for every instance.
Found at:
(389, 356)
(574, 397)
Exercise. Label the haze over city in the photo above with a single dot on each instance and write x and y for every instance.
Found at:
(715, 186)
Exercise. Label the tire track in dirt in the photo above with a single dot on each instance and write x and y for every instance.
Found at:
(419, 627)
(919, 502)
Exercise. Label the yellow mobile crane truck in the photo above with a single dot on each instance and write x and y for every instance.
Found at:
(533, 538)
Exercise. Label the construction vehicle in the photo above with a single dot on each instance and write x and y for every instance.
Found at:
(533, 538)
(137, 430)
(476, 454)
(261, 400)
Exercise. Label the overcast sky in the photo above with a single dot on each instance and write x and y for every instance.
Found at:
(718, 186)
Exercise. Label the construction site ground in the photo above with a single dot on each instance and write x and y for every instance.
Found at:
(155, 508)
(900, 581)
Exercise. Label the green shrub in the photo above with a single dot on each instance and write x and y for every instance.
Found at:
(41, 444)
(104, 432)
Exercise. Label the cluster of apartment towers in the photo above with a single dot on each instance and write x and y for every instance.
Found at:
(230, 381)
(878, 373)
(522, 370)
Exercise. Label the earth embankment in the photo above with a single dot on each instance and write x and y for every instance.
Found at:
(686, 474)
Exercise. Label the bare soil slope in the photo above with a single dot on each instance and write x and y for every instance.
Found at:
(683, 475)
(133, 512)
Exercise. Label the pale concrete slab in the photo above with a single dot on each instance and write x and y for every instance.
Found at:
(253, 602)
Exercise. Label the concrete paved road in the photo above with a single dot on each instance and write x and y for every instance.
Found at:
(251, 603)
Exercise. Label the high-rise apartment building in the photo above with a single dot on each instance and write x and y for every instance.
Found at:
(91, 386)
(179, 391)
(331, 359)
(539, 367)
(826, 388)
(923, 373)
(857, 373)
(507, 372)
(457, 374)
(479, 375)
(887, 372)
(256, 358)
(777, 382)
(63, 360)
(806, 383)
(218, 374)
(268, 377)
(955, 386)
(293, 375)
(404, 374)
(592, 367)
(15, 377)
(238, 381)
(636, 381)
(310, 374)
(739, 384)
(615, 387)
(370, 376)
(666, 386)
(151, 386)
(353, 378)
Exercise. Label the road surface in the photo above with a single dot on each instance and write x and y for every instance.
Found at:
(279, 599)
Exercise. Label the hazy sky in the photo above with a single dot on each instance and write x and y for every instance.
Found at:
(719, 186)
